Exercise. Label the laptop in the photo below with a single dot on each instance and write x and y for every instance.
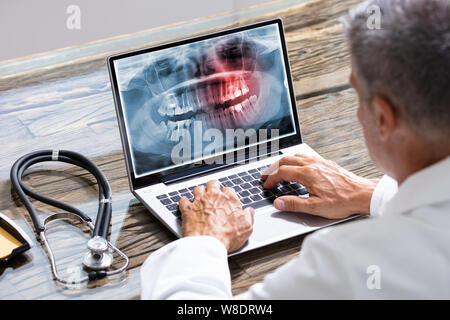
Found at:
(217, 106)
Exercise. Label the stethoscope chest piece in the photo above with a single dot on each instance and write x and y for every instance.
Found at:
(99, 257)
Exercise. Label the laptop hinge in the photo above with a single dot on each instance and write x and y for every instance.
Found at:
(181, 177)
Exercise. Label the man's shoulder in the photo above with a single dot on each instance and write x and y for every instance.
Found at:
(372, 238)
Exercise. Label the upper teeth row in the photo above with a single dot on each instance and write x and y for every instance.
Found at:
(193, 101)
(171, 106)
(233, 90)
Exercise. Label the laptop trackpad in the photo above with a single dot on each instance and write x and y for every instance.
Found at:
(277, 224)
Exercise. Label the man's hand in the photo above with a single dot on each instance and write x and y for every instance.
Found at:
(217, 213)
(333, 191)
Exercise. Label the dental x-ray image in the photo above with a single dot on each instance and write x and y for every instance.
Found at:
(228, 82)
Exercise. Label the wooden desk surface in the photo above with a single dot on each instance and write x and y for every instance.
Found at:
(69, 105)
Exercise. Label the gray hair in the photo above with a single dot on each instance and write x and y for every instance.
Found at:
(406, 60)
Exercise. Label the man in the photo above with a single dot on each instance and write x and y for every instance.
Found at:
(401, 73)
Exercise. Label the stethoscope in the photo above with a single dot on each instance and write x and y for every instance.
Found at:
(100, 255)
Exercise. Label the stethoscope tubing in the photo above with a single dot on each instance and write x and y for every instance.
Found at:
(104, 211)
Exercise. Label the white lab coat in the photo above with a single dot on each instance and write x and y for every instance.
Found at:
(401, 252)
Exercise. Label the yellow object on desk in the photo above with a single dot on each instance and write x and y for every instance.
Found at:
(7, 243)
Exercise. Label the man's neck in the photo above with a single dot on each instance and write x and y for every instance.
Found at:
(420, 155)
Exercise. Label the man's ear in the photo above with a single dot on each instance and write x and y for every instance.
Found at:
(385, 116)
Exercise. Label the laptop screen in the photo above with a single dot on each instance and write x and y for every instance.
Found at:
(197, 101)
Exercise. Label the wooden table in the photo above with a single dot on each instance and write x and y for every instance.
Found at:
(63, 100)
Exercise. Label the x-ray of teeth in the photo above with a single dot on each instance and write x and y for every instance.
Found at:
(228, 82)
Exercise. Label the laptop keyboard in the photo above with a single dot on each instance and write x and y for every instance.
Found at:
(248, 187)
